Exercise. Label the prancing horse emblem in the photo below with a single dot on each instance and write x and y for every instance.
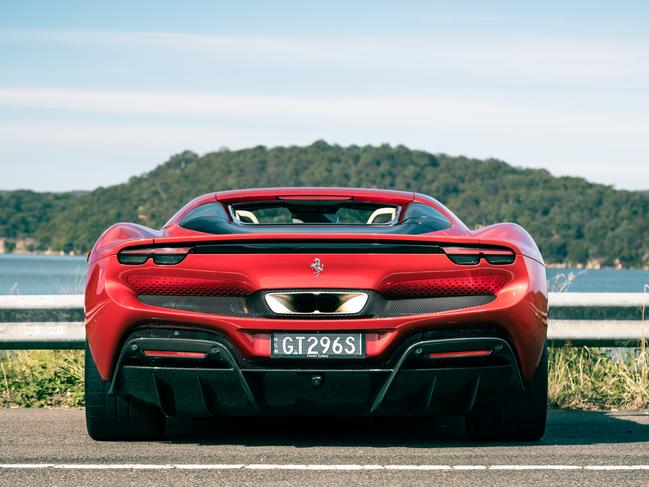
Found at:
(317, 267)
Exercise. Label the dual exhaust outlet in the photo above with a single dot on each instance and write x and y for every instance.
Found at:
(316, 302)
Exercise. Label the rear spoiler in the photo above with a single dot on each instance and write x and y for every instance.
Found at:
(174, 254)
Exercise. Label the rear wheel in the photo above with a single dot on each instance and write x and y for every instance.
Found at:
(517, 418)
(110, 417)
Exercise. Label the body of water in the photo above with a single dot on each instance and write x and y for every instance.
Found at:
(42, 274)
(52, 274)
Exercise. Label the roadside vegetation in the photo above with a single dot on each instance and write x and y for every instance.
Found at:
(599, 378)
(41, 378)
(585, 378)
(572, 220)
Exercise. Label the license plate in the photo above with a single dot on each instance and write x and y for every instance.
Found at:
(317, 345)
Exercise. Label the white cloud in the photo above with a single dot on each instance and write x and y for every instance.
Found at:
(411, 111)
(535, 58)
(604, 147)
(599, 132)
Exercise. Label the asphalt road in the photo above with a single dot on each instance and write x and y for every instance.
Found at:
(50, 447)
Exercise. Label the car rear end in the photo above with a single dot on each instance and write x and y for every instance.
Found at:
(312, 323)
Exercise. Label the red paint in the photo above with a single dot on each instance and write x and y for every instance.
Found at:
(519, 309)
(157, 251)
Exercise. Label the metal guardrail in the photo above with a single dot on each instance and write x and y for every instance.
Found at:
(577, 332)
(47, 301)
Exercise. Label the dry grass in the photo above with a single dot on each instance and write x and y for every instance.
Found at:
(589, 378)
(598, 378)
(38, 378)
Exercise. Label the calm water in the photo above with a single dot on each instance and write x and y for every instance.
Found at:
(45, 274)
(42, 274)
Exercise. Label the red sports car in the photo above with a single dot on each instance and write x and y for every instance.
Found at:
(316, 301)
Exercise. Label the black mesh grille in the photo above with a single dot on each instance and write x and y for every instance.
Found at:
(214, 305)
(254, 306)
(418, 306)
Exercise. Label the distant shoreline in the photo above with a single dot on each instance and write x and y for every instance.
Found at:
(58, 253)
(594, 268)
(571, 266)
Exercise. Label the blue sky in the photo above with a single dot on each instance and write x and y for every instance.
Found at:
(92, 93)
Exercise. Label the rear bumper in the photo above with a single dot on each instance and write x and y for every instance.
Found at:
(225, 384)
(519, 310)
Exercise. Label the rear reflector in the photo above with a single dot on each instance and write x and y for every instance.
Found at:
(160, 255)
(174, 353)
(462, 354)
(472, 255)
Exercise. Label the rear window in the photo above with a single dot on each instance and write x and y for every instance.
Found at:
(320, 216)
(314, 213)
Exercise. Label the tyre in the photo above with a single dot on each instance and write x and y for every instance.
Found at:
(110, 417)
(514, 418)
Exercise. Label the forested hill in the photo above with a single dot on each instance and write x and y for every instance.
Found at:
(571, 219)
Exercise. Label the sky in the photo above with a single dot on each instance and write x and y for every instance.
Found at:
(92, 93)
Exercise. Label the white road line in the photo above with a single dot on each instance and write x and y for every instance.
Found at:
(112, 466)
(315, 467)
(616, 467)
(536, 467)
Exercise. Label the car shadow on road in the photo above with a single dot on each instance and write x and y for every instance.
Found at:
(565, 427)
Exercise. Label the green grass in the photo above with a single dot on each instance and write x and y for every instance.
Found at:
(599, 378)
(588, 378)
(39, 378)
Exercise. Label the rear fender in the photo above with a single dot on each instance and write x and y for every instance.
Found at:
(119, 236)
(510, 235)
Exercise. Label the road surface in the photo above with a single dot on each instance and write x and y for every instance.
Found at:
(50, 447)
